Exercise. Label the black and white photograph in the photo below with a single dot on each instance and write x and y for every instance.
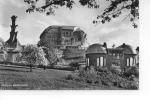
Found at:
(69, 45)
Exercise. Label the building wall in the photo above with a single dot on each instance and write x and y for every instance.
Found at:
(67, 36)
(131, 60)
(52, 38)
(61, 38)
(137, 59)
(3, 56)
(118, 59)
(93, 59)
(11, 56)
(111, 60)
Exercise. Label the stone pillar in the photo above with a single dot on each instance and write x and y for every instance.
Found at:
(13, 34)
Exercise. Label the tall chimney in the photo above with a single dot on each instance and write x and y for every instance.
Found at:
(124, 45)
(105, 45)
(137, 49)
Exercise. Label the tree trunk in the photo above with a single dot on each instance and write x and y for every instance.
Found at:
(44, 67)
(52, 65)
(30, 67)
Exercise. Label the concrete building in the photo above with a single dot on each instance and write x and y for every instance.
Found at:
(64, 37)
(100, 55)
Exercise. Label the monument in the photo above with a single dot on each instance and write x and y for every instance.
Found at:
(12, 44)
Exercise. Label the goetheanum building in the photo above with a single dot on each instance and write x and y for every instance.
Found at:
(100, 55)
(64, 37)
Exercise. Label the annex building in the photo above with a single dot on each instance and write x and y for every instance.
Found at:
(122, 56)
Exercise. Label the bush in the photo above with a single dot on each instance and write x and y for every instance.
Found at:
(74, 65)
(115, 70)
(69, 77)
(103, 77)
(100, 69)
(131, 71)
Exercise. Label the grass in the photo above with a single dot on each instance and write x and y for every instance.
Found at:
(49, 79)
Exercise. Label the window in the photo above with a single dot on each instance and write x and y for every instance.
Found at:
(101, 61)
(104, 61)
(131, 61)
(87, 60)
(135, 61)
(118, 56)
(127, 61)
(97, 61)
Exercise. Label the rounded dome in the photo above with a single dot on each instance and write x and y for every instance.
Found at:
(127, 49)
(96, 48)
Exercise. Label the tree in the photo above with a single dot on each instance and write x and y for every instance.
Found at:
(52, 54)
(114, 10)
(34, 56)
(2, 45)
(3, 49)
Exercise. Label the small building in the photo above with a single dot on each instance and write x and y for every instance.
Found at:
(96, 55)
(101, 56)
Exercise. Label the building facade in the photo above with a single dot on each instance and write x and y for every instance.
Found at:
(64, 37)
(101, 56)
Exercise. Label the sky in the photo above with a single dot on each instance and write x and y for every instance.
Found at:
(31, 25)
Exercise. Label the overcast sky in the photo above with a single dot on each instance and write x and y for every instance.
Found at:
(30, 26)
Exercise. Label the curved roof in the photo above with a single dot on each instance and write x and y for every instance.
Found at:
(57, 27)
(127, 49)
(96, 48)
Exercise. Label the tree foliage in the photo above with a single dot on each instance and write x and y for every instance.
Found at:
(3, 49)
(34, 55)
(52, 54)
(74, 65)
(2, 45)
(117, 7)
(114, 9)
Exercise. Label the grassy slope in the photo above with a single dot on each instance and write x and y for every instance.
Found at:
(39, 79)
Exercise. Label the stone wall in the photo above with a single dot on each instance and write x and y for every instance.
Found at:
(3, 56)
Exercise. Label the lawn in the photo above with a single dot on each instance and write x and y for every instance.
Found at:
(49, 79)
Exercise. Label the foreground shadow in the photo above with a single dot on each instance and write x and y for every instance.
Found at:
(14, 70)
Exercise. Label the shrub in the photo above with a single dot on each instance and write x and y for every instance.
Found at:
(69, 77)
(74, 65)
(115, 70)
(131, 71)
(100, 69)
(6, 62)
(102, 76)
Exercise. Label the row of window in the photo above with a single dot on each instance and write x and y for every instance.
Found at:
(67, 33)
(53, 34)
(115, 54)
(72, 47)
(67, 40)
(67, 43)
(130, 61)
(101, 61)
(52, 39)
